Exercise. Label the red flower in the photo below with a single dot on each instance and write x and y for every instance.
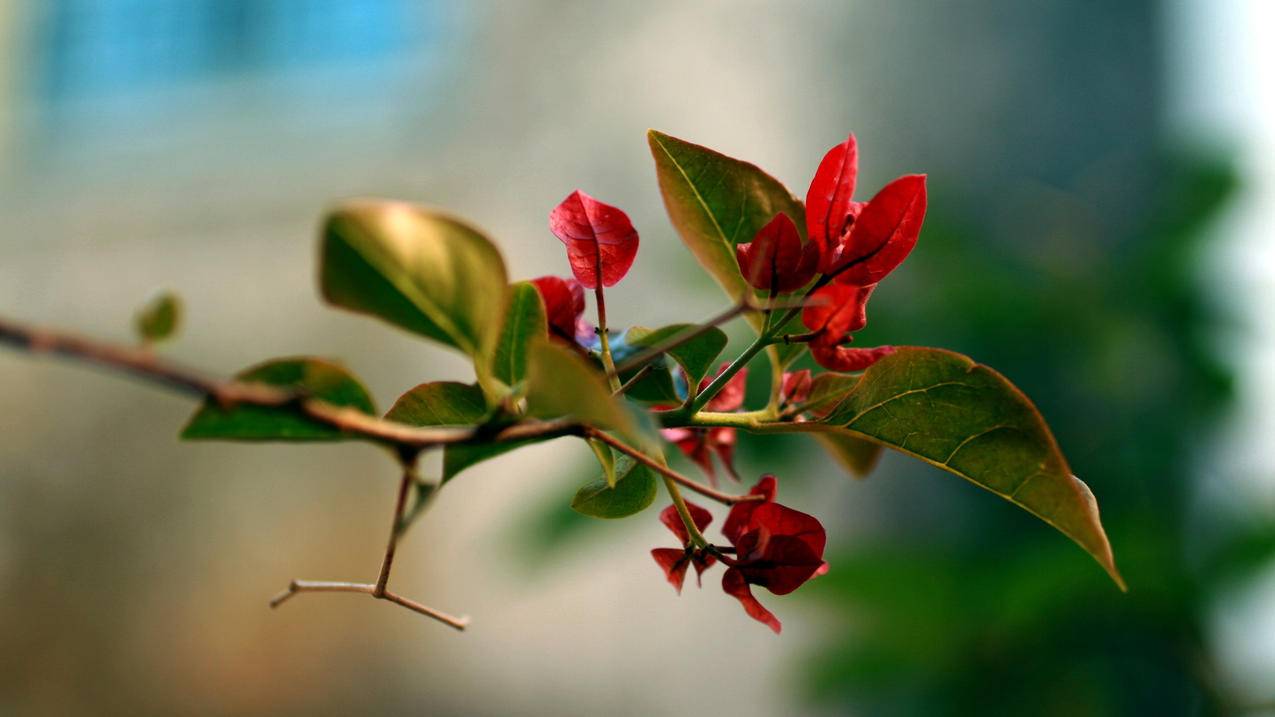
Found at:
(600, 239)
(777, 259)
(674, 561)
(701, 444)
(861, 242)
(564, 305)
(844, 358)
(776, 547)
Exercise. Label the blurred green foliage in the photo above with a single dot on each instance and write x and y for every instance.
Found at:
(1002, 617)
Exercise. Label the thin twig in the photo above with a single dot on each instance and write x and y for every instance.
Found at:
(324, 586)
(695, 331)
(664, 470)
(641, 374)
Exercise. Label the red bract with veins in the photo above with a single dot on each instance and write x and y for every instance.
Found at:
(600, 239)
(861, 241)
(778, 259)
(776, 547)
(701, 444)
(564, 305)
(674, 561)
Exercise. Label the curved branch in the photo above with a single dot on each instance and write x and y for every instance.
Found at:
(667, 472)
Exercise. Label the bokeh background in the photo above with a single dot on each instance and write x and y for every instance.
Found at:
(1102, 207)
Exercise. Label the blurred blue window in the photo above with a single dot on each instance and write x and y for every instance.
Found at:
(92, 47)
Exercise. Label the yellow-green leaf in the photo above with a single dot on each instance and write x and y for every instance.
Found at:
(159, 318)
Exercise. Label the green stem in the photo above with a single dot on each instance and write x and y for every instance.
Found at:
(692, 530)
(607, 362)
(724, 377)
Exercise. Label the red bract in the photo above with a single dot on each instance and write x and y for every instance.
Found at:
(844, 358)
(674, 561)
(777, 259)
(564, 305)
(883, 233)
(795, 387)
(600, 239)
(836, 311)
(776, 547)
(701, 444)
(829, 208)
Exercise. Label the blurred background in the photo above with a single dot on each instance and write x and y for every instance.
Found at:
(1102, 206)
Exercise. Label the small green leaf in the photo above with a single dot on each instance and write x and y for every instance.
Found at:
(696, 357)
(970, 421)
(655, 386)
(606, 459)
(854, 454)
(524, 320)
(317, 378)
(440, 403)
(561, 383)
(417, 269)
(159, 318)
(634, 490)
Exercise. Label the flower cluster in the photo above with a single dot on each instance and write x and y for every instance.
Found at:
(773, 546)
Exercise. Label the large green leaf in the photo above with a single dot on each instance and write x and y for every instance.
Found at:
(969, 420)
(317, 378)
(440, 403)
(417, 269)
(716, 202)
(696, 357)
(524, 321)
(634, 490)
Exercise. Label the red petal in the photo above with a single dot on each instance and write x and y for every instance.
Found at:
(731, 396)
(693, 444)
(884, 233)
(740, 513)
(837, 310)
(721, 440)
(734, 584)
(599, 238)
(777, 258)
(796, 386)
(673, 562)
(673, 521)
(564, 304)
(828, 203)
(783, 521)
(844, 358)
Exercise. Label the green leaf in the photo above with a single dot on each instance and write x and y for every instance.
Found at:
(460, 456)
(854, 454)
(159, 318)
(716, 202)
(696, 357)
(561, 383)
(317, 378)
(524, 321)
(967, 419)
(606, 459)
(440, 403)
(634, 490)
(654, 387)
(417, 269)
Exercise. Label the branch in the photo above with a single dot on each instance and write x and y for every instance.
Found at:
(667, 472)
(145, 365)
(325, 586)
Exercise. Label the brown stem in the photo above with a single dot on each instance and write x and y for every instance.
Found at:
(146, 365)
(667, 472)
(395, 529)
